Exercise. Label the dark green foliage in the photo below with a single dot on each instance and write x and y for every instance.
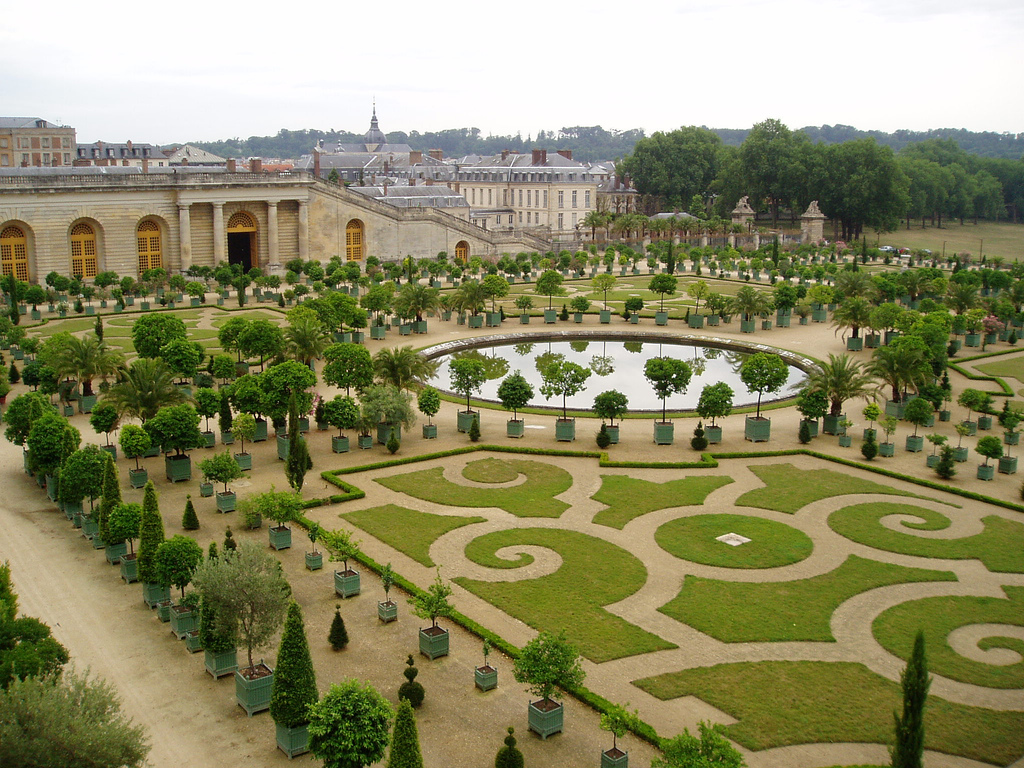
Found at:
(190, 520)
(393, 445)
(908, 751)
(698, 442)
(869, 449)
(225, 411)
(176, 560)
(98, 328)
(509, 756)
(946, 468)
(338, 637)
(13, 375)
(1012, 338)
(298, 461)
(405, 741)
(26, 647)
(805, 432)
(230, 545)
(294, 679)
(349, 726)
(211, 553)
(474, 429)
(710, 749)
(564, 314)
(410, 690)
(603, 438)
(212, 639)
(151, 535)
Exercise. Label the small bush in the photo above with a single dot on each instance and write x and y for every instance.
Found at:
(190, 520)
(474, 430)
(410, 690)
(509, 756)
(698, 442)
(393, 445)
(805, 433)
(338, 636)
(869, 449)
(603, 438)
(230, 545)
(946, 468)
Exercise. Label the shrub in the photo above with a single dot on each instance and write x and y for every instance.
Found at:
(294, 687)
(603, 438)
(509, 756)
(393, 445)
(474, 429)
(405, 742)
(410, 690)
(189, 520)
(337, 637)
(805, 432)
(946, 468)
(869, 449)
(698, 442)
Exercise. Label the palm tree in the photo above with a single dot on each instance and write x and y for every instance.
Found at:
(403, 368)
(854, 313)
(854, 283)
(749, 302)
(901, 366)
(416, 299)
(840, 379)
(914, 282)
(305, 337)
(962, 296)
(86, 358)
(470, 297)
(144, 388)
(594, 219)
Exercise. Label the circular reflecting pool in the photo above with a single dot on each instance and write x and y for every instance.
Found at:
(617, 365)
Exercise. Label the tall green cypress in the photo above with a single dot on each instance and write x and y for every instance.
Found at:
(405, 741)
(908, 751)
(298, 462)
(111, 496)
(338, 636)
(190, 520)
(294, 679)
(151, 535)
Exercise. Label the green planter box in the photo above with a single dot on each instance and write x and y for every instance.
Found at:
(314, 561)
(244, 461)
(90, 526)
(546, 722)
(845, 441)
(819, 315)
(226, 501)
(153, 452)
(766, 325)
(606, 316)
(163, 610)
(387, 611)
(405, 329)
(485, 678)
(613, 434)
(634, 318)
(1008, 465)
(932, 460)
(830, 424)
(784, 321)
(292, 741)
(915, 444)
(1011, 438)
(895, 409)
(986, 471)
(855, 344)
(209, 440)
(565, 430)
(713, 435)
(577, 317)
(714, 320)
(972, 427)
(550, 316)
(86, 403)
(434, 642)
(972, 340)
(365, 441)
(757, 430)
(695, 321)
(419, 326)
(615, 758)
(746, 326)
(221, 664)
(114, 552)
(282, 447)
(960, 454)
(887, 449)
(178, 468)
(429, 431)
(111, 449)
(515, 428)
(476, 321)
(339, 444)
(192, 642)
(464, 420)
(378, 332)
(872, 341)
(183, 621)
(129, 569)
(385, 431)
(984, 423)
(812, 426)
(280, 537)
(346, 583)
(205, 490)
(253, 695)
(153, 594)
(493, 319)
(524, 319)
(261, 431)
(661, 318)
(51, 487)
(664, 432)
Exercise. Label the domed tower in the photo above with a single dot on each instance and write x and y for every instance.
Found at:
(374, 138)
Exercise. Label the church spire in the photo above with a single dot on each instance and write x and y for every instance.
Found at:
(375, 137)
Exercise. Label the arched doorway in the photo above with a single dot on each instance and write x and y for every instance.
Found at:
(462, 252)
(242, 240)
(149, 247)
(14, 252)
(83, 251)
(354, 241)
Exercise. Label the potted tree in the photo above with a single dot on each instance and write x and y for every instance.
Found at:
(563, 378)
(812, 405)
(387, 611)
(971, 399)
(872, 412)
(845, 438)
(662, 285)
(715, 402)
(467, 375)
(249, 594)
(550, 284)
(433, 604)
(104, 419)
(937, 441)
(207, 405)
(314, 559)
(225, 418)
(485, 677)
(960, 453)
(580, 304)
(151, 536)
(611, 405)
(991, 447)
(515, 392)
(920, 413)
(547, 662)
(604, 282)
(617, 720)
(294, 687)
(176, 428)
(668, 376)
(344, 548)
(633, 306)
(524, 304)
(244, 428)
(762, 372)
(1009, 420)
(888, 447)
(222, 468)
(429, 402)
(176, 561)
(125, 520)
(389, 409)
(343, 413)
(349, 726)
(218, 644)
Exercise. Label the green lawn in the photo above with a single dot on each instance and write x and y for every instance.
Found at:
(1012, 368)
(594, 573)
(994, 546)
(1001, 238)
(787, 488)
(628, 498)
(407, 530)
(490, 471)
(938, 616)
(771, 544)
(782, 703)
(534, 498)
(774, 612)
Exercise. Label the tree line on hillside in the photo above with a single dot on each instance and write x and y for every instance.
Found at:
(858, 183)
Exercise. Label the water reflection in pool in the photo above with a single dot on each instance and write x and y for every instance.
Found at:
(614, 365)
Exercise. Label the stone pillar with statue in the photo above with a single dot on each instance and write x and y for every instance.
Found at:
(812, 224)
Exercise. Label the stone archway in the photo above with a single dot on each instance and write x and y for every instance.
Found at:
(462, 252)
(243, 240)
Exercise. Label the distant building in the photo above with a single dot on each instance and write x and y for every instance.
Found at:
(615, 194)
(102, 153)
(31, 142)
(186, 154)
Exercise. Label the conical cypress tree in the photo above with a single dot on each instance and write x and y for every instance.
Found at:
(151, 535)
(294, 679)
(212, 552)
(474, 429)
(405, 741)
(13, 375)
(230, 545)
(508, 756)
(908, 751)
(298, 462)
(111, 496)
(338, 637)
(190, 520)
(805, 433)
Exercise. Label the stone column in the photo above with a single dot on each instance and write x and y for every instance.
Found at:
(273, 250)
(303, 230)
(185, 232)
(219, 238)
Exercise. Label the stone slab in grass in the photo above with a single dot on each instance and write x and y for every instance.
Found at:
(741, 612)
(937, 617)
(782, 703)
(770, 544)
(628, 498)
(594, 573)
(1000, 546)
(490, 471)
(410, 532)
(534, 498)
(787, 488)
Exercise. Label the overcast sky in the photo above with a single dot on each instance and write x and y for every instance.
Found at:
(192, 71)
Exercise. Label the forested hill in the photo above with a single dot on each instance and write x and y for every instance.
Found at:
(590, 143)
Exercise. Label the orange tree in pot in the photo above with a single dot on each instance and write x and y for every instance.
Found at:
(545, 663)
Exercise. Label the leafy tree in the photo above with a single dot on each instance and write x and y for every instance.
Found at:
(603, 282)
(840, 379)
(990, 446)
(468, 376)
(618, 720)
(26, 647)
(70, 720)
(563, 378)
(550, 284)
(176, 561)
(82, 475)
(611, 405)
(515, 392)
(155, 330)
(429, 402)
(348, 365)
(207, 403)
(547, 662)
(918, 412)
(403, 368)
(135, 441)
(668, 376)
(244, 428)
(104, 419)
(763, 372)
(21, 414)
(416, 300)
(305, 337)
(710, 750)
(509, 755)
(338, 636)
(662, 285)
(189, 519)
(229, 333)
(342, 412)
(261, 338)
(349, 726)
(433, 604)
(176, 428)
(283, 381)
(183, 357)
(405, 742)
(220, 468)
(123, 524)
(294, 689)
(387, 405)
(771, 165)
(151, 536)
(51, 441)
(674, 166)
(908, 751)
(715, 401)
(298, 461)
(222, 367)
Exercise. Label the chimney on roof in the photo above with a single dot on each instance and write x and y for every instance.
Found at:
(415, 156)
(437, 154)
(540, 157)
(129, 145)
(566, 153)
(145, 165)
(316, 162)
(255, 165)
(504, 154)
(430, 182)
(184, 160)
(231, 165)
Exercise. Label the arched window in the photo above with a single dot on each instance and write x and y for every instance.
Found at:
(354, 241)
(14, 252)
(150, 252)
(241, 222)
(462, 251)
(83, 251)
